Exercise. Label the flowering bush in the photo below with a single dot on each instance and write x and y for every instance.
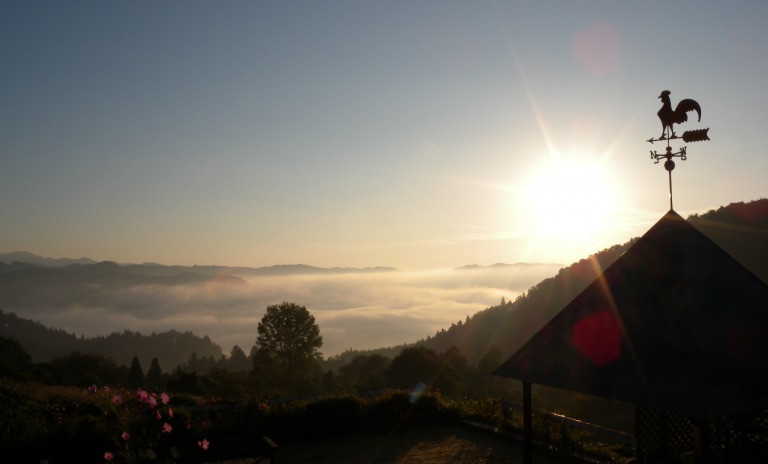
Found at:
(141, 421)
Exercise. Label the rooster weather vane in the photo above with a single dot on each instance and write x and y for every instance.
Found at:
(669, 117)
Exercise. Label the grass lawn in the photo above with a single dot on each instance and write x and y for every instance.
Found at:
(412, 444)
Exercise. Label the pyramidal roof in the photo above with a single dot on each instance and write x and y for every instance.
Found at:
(674, 323)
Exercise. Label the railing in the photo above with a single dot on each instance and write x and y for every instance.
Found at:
(597, 430)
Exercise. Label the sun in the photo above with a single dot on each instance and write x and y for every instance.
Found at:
(569, 198)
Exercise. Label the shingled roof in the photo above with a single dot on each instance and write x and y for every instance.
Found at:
(675, 323)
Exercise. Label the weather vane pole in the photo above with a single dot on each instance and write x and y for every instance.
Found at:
(669, 118)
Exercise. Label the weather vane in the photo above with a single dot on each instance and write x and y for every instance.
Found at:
(669, 118)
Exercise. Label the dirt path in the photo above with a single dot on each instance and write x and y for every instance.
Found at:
(428, 444)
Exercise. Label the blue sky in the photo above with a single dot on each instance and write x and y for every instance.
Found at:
(408, 134)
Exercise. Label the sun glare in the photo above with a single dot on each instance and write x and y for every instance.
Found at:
(569, 198)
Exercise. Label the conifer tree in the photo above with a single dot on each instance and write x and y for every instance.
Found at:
(136, 374)
(154, 375)
(238, 361)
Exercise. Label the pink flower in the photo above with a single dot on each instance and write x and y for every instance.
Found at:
(152, 402)
(170, 412)
(108, 456)
(106, 388)
(158, 415)
(167, 427)
(203, 444)
(126, 436)
(117, 399)
(165, 398)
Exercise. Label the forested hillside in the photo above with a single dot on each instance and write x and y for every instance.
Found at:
(171, 348)
(507, 326)
(741, 229)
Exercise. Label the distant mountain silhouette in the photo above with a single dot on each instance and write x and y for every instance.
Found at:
(154, 269)
(171, 348)
(27, 257)
(294, 269)
(474, 267)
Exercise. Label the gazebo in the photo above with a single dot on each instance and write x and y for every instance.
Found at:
(676, 326)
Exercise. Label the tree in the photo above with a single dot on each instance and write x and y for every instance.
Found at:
(491, 360)
(453, 358)
(421, 365)
(154, 375)
(365, 371)
(83, 369)
(486, 384)
(287, 348)
(14, 360)
(135, 374)
(238, 361)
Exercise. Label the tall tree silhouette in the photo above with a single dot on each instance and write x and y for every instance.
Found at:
(14, 361)
(135, 374)
(238, 361)
(154, 375)
(287, 348)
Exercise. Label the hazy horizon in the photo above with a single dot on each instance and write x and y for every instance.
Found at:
(263, 266)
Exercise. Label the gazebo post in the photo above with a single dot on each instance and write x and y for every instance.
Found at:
(702, 439)
(527, 424)
(638, 432)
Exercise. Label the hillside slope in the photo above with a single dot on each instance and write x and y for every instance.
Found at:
(741, 229)
(171, 348)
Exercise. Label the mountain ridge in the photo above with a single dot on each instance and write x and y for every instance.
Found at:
(277, 269)
(31, 258)
(274, 269)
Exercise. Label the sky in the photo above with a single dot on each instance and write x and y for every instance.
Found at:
(417, 135)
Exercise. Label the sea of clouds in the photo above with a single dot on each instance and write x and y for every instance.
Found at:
(360, 310)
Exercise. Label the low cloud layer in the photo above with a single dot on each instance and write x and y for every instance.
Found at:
(354, 311)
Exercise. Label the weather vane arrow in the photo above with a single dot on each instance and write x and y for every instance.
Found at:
(669, 117)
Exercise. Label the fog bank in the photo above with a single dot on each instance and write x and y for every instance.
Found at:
(353, 310)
